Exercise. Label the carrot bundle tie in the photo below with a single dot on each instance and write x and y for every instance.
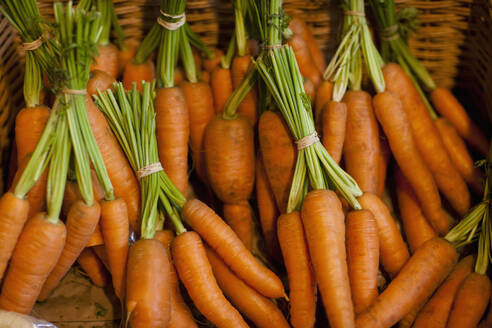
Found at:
(33, 45)
(355, 13)
(390, 33)
(78, 92)
(170, 25)
(149, 169)
(307, 141)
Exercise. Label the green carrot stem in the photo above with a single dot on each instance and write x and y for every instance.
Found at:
(226, 60)
(237, 96)
(187, 57)
(240, 29)
(196, 42)
(148, 45)
(33, 80)
(118, 30)
(104, 7)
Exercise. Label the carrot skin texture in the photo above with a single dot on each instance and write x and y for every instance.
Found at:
(302, 285)
(35, 255)
(470, 302)
(393, 250)
(384, 158)
(222, 239)
(99, 80)
(126, 55)
(173, 132)
(195, 272)
(487, 321)
(300, 28)
(94, 268)
(449, 107)
(221, 83)
(323, 96)
(418, 279)
(435, 313)
(249, 106)
(240, 218)
(210, 64)
(107, 59)
(304, 59)
(138, 73)
(362, 258)
(334, 123)
(324, 226)
(102, 255)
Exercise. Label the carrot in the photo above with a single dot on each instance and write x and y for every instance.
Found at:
(13, 215)
(137, 73)
(197, 58)
(361, 150)
(427, 139)
(324, 226)
(180, 313)
(470, 302)
(393, 251)
(240, 218)
(449, 107)
(35, 255)
(362, 258)
(279, 155)
(114, 225)
(249, 106)
(209, 64)
(119, 170)
(196, 274)
(200, 111)
(148, 298)
(409, 318)
(307, 67)
(436, 312)
(172, 129)
(299, 27)
(459, 155)
(302, 285)
(230, 158)
(418, 279)
(396, 126)
(99, 80)
(259, 309)
(19, 170)
(93, 267)
(333, 122)
(323, 96)
(126, 54)
(229, 247)
(81, 222)
(417, 228)
(487, 321)
(179, 75)
(107, 59)
(100, 251)
(267, 209)
(310, 90)
(384, 158)
(221, 83)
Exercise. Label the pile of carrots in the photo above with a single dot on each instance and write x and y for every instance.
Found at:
(215, 198)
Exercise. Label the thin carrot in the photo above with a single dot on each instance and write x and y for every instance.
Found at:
(334, 123)
(93, 267)
(221, 83)
(324, 226)
(99, 80)
(299, 27)
(229, 247)
(323, 96)
(297, 261)
(137, 73)
(249, 106)
(196, 274)
(240, 218)
(304, 59)
(393, 250)
(418, 279)
(35, 255)
(209, 64)
(107, 59)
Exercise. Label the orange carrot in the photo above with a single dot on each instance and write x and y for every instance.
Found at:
(302, 285)
(240, 218)
(205, 77)
(362, 258)
(93, 267)
(487, 321)
(138, 73)
(393, 251)
(449, 107)
(221, 83)
(323, 96)
(409, 318)
(179, 75)
(324, 225)
(384, 158)
(427, 139)
(396, 126)
(80, 225)
(196, 274)
(334, 122)
(99, 80)
(229, 247)
(310, 90)
(307, 67)
(249, 106)
(436, 312)
(210, 64)
(172, 129)
(418, 279)
(361, 150)
(107, 59)
(126, 54)
(300, 28)
(100, 251)
(35, 255)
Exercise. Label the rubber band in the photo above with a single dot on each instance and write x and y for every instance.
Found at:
(307, 141)
(148, 170)
(355, 13)
(390, 33)
(171, 26)
(33, 45)
(81, 92)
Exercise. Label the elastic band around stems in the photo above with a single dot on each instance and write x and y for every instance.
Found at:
(81, 92)
(171, 26)
(307, 141)
(390, 33)
(148, 170)
(33, 45)
(355, 13)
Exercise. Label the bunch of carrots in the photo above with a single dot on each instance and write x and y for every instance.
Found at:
(254, 176)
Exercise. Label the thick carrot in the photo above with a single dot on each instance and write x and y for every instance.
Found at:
(181, 316)
(35, 255)
(324, 226)
(13, 216)
(200, 111)
(229, 247)
(323, 96)
(470, 302)
(396, 126)
(279, 155)
(333, 128)
(459, 155)
(449, 107)
(307, 67)
(115, 230)
(119, 170)
(126, 55)
(427, 139)
(230, 158)
(210, 64)
(384, 158)
(299, 27)
(297, 261)
(249, 106)
(81, 222)
(94, 268)
(240, 218)
(418, 279)
(196, 274)
(99, 80)
(138, 73)
(221, 83)
(362, 258)
(361, 149)
(393, 250)
(173, 131)
(107, 59)
(417, 228)
(256, 307)
(436, 312)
